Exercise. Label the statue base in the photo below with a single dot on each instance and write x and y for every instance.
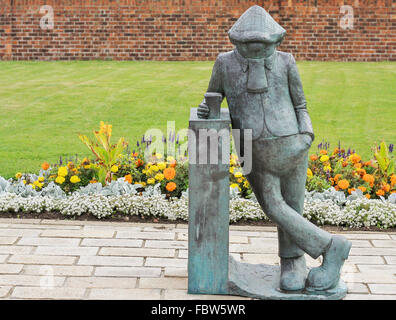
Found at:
(261, 281)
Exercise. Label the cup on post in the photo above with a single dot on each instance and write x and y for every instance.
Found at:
(213, 101)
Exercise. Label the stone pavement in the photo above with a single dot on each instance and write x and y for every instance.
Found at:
(57, 259)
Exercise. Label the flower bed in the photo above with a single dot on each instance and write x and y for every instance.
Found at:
(328, 208)
(342, 189)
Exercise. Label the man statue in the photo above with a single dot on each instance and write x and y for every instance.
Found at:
(264, 93)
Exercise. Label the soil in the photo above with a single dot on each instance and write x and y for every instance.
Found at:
(142, 219)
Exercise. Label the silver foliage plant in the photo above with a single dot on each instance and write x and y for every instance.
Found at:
(328, 207)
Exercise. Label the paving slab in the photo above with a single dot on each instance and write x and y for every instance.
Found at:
(124, 260)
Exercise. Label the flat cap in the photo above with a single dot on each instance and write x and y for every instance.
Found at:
(256, 24)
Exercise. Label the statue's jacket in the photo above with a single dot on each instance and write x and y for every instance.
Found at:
(278, 112)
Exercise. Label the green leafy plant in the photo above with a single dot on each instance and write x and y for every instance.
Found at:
(107, 154)
(386, 164)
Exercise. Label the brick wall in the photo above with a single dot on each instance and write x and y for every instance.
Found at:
(190, 29)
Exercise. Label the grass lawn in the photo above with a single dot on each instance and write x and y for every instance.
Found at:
(44, 105)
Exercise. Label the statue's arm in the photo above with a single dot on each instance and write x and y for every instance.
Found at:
(298, 98)
(216, 80)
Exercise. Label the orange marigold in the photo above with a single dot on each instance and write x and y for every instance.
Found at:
(380, 192)
(350, 190)
(355, 158)
(367, 196)
(363, 189)
(336, 177)
(171, 186)
(357, 165)
(169, 173)
(323, 151)
(173, 163)
(345, 163)
(386, 187)
(368, 178)
(314, 157)
(45, 166)
(128, 178)
(393, 180)
(139, 163)
(343, 184)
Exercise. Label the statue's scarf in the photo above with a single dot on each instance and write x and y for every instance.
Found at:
(257, 79)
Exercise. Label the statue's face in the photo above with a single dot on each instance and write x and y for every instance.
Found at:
(256, 50)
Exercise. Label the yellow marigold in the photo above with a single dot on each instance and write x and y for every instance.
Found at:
(161, 165)
(246, 184)
(45, 166)
(60, 179)
(324, 158)
(70, 165)
(232, 169)
(170, 158)
(169, 173)
(238, 174)
(233, 162)
(343, 184)
(154, 168)
(150, 180)
(158, 155)
(62, 172)
(314, 157)
(327, 168)
(363, 189)
(323, 151)
(75, 179)
(309, 173)
(171, 186)
(159, 177)
(128, 178)
(114, 168)
(18, 175)
(239, 180)
(87, 166)
(380, 192)
(234, 185)
(41, 179)
(354, 158)
(38, 184)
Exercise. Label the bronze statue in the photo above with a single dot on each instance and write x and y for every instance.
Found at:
(265, 94)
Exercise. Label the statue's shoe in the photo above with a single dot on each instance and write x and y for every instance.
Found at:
(293, 273)
(327, 275)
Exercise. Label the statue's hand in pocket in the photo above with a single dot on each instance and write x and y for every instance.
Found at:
(307, 138)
